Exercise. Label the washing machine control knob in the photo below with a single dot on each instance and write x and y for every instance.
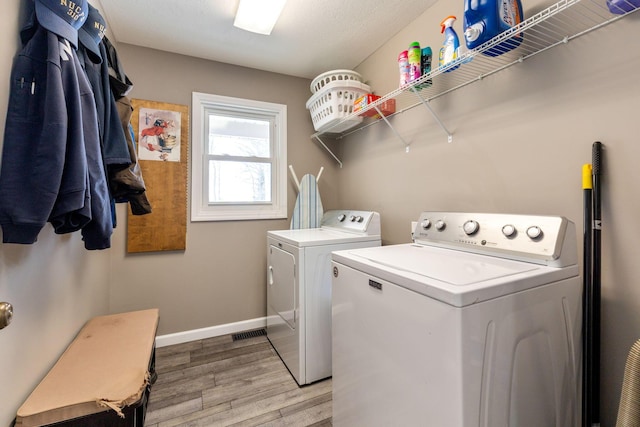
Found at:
(509, 230)
(359, 218)
(352, 218)
(534, 232)
(341, 217)
(471, 227)
(426, 224)
(440, 225)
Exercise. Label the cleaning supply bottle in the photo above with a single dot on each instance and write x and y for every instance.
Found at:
(425, 60)
(620, 7)
(451, 46)
(403, 65)
(485, 19)
(415, 59)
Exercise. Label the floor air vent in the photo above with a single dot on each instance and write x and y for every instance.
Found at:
(249, 334)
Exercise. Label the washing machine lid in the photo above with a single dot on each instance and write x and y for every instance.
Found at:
(455, 277)
(319, 236)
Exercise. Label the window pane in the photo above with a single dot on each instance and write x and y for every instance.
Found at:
(239, 159)
(231, 181)
(234, 136)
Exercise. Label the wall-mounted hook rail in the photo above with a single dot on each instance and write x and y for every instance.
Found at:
(297, 181)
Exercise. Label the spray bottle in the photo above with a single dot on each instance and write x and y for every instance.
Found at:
(450, 47)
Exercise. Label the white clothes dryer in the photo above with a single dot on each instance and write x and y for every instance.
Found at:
(475, 324)
(299, 288)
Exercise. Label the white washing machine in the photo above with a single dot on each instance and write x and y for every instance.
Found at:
(477, 323)
(299, 288)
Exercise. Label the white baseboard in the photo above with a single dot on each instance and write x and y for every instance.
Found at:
(210, 332)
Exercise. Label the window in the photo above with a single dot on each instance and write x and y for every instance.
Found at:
(239, 160)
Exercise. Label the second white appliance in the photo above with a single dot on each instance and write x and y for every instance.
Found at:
(299, 288)
(476, 324)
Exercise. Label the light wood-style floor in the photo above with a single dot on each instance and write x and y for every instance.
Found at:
(221, 382)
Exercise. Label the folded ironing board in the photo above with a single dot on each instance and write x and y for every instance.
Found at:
(307, 212)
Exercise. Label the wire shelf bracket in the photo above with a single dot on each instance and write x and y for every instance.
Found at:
(406, 144)
(433, 113)
(317, 137)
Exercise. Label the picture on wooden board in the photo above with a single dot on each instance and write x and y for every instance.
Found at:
(159, 135)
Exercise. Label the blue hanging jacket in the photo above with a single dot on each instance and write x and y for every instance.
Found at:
(52, 167)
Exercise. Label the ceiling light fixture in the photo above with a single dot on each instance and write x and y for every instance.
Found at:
(258, 16)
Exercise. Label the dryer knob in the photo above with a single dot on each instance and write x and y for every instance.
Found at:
(426, 224)
(352, 218)
(471, 227)
(509, 230)
(359, 218)
(534, 232)
(341, 217)
(440, 225)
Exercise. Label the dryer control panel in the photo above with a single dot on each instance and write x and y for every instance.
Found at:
(364, 222)
(549, 240)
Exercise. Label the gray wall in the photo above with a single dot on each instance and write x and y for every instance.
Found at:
(520, 139)
(221, 276)
(54, 285)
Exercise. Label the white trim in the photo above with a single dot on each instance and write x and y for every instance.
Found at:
(210, 332)
(200, 211)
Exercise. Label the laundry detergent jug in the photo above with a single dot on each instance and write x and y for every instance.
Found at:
(620, 7)
(485, 19)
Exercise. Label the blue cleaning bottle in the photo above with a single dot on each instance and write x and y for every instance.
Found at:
(449, 51)
(485, 19)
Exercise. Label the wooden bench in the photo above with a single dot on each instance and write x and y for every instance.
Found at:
(102, 379)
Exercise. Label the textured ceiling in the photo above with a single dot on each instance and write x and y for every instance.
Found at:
(311, 36)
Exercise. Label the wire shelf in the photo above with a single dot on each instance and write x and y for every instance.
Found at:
(553, 26)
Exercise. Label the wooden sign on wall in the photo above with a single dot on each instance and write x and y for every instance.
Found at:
(162, 133)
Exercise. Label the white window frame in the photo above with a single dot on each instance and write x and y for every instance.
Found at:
(201, 210)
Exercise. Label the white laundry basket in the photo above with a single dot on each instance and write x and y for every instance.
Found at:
(334, 76)
(334, 103)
